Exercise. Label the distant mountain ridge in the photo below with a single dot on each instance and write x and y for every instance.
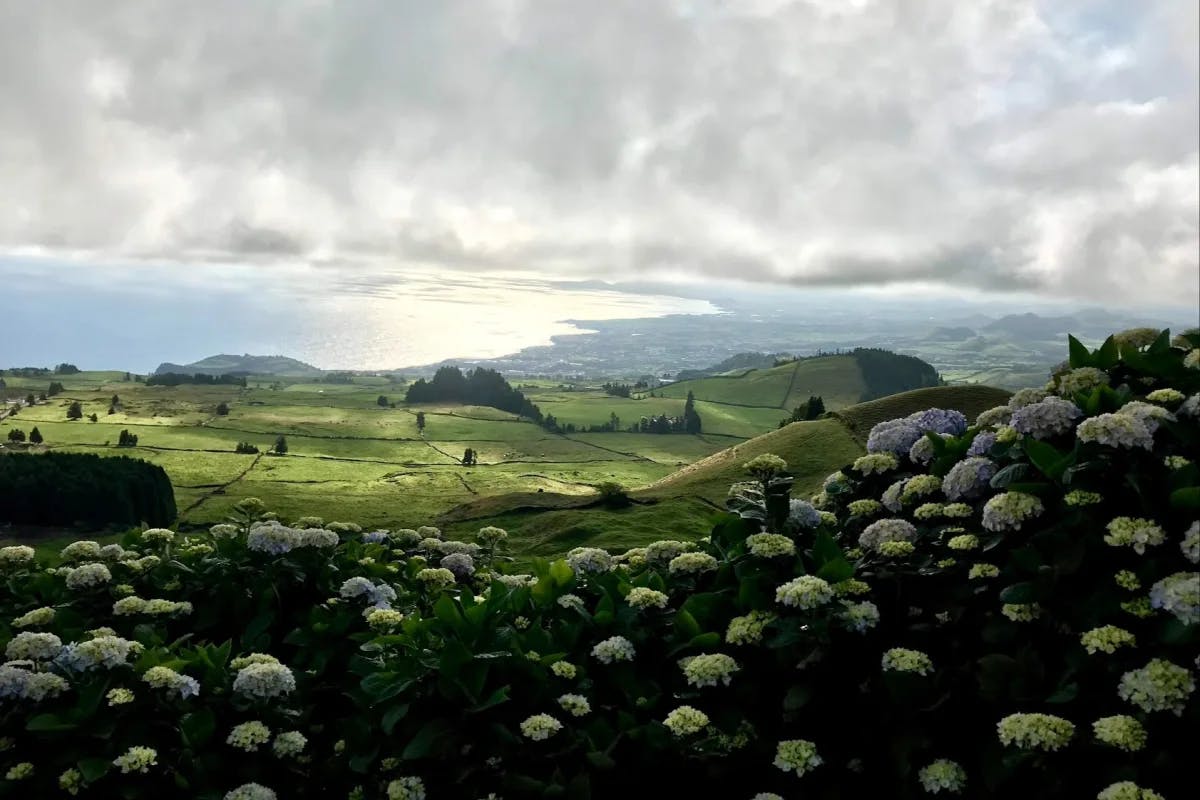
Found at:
(227, 364)
(738, 362)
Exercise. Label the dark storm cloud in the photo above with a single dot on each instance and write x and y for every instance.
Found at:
(1002, 144)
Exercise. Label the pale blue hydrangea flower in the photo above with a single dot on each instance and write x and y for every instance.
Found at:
(968, 478)
(1116, 430)
(1178, 594)
(461, 564)
(940, 420)
(894, 436)
(1158, 686)
(891, 497)
(589, 560)
(1010, 510)
(802, 514)
(1047, 419)
(886, 530)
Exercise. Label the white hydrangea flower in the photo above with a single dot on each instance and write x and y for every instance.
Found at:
(1178, 594)
(136, 759)
(103, 650)
(886, 530)
(17, 555)
(1106, 639)
(1025, 397)
(797, 755)
(876, 463)
(1158, 686)
(33, 646)
(1134, 532)
(35, 618)
(1121, 731)
(171, 681)
(1115, 430)
(249, 736)
(87, 576)
(692, 564)
(805, 592)
(589, 560)
(902, 659)
(1127, 790)
(662, 552)
(1010, 510)
(642, 597)
(153, 535)
(575, 704)
(943, 774)
(859, 617)
(1082, 379)
(264, 680)
(251, 791)
(709, 669)
(614, 648)
(1035, 731)
(1191, 543)
(770, 545)
(686, 720)
(540, 727)
(748, 629)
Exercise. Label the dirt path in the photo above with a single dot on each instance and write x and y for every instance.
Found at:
(220, 488)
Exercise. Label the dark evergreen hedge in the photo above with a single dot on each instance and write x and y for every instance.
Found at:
(69, 488)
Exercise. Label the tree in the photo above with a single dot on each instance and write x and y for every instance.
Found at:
(29, 399)
(42, 397)
(222, 409)
(421, 421)
(469, 458)
(816, 407)
(16, 435)
(691, 419)
(93, 418)
(127, 377)
(245, 448)
(280, 447)
(66, 369)
(35, 436)
(127, 439)
(55, 388)
(75, 411)
(116, 401)
(381, 401)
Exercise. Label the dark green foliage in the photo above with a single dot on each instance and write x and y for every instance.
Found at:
(222, 409)
(613, 494)
(420, 420)
(16, 435)
(811, 409)
(27, 372)
(66, 488)
(281, 446)
(691, 419)
(200, 379)
(469, 458)
(127, 439)
(480, 387)
(617, 389)
(116, 401)
(75, 410)
(30, 399)
(35, 436)
(245, 448)
(886, 373)
(93, 418)
(66, 369)
(381, 401)
(55, 388)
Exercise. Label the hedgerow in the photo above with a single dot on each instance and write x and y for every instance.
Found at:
(998, 609)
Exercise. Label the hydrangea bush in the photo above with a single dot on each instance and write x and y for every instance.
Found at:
(1011, 609)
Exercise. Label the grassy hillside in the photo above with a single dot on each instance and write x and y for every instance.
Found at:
(836, 378)
(681, 505)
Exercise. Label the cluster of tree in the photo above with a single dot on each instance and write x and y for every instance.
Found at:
(383, 402)
(70, 488)
(55, 388)
(420, 421)
(281, 446)
(550, 423)
(66, 369)
(75, 410)
(338, 377)
(199, 378)
(887, 373)
(26, 372)
(470, 458)
(127, 439)
(245, 448)
(618, 389)
(114, 404)
(16, 436)
(480, 387)
(812, 408)
(222, 409)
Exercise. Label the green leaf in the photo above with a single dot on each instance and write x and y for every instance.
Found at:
(825, 549)
(836, 570)
(197, 727)
(1162, 344)
(705, 641)
(49, 722)
(446, 610)
(1046, 457)
(1064, 694)
(427, 739)
(601, 760)
(797, 697)
(1107, 356)
(686, 624)
(384, 685)
(93, 769)
(1079, 355)
(392, 717)
(1188, 497)
(494, 699)
(1018, 593)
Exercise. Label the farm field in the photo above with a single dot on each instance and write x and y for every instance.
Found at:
(350, 458)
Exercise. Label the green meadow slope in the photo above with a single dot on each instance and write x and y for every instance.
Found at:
(837, 379)
(685, 503)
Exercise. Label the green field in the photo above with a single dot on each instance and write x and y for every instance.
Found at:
(351, 459)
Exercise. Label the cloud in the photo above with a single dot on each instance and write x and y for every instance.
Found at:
(992, 144)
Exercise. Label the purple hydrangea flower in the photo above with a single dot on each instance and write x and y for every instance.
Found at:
(982, 443)
(461, 564)
(968, 478)
(894, 436)
(940, 420)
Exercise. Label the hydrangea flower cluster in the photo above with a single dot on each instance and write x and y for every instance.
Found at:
(136, 759)
(1106, 639)
(922, 451)
(664, 551)
(540, 727)
(264, 680)
(1121, 731)
(979, 571)
(709, 669)
(88, 576)
(692, 564)
(589, 560)
(1021, 612)
(575, 704)
(943, 775)
(1010, 510)
(896, 549)
(864, 508)
(1134, 532)
(1158, 686)
(251, 791)
(886, 530)
(1121, 431)
(612, 649)
(1178, 594)
(802, 515)
(169, 680)
(17, 555)
(1082, 379)
(805, 592)
(1190, 546)
(770, 545)
(919, 486)
(686, 720)
(642, 597)
(797, 755)
(902, 659)
(895, 436)
(1045, 420)
(33, 646)
(876, 463)
(1127, 790)
(1035, 731)
(982, 444)
(249, 736)
(968, 478)
(949, 422)
(748, 629)
(436, 578)
(859, 617)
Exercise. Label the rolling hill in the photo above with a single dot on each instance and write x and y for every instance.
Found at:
(682, 504)
(226, 364)
(841, 380)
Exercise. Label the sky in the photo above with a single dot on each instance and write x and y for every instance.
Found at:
(991, 146)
